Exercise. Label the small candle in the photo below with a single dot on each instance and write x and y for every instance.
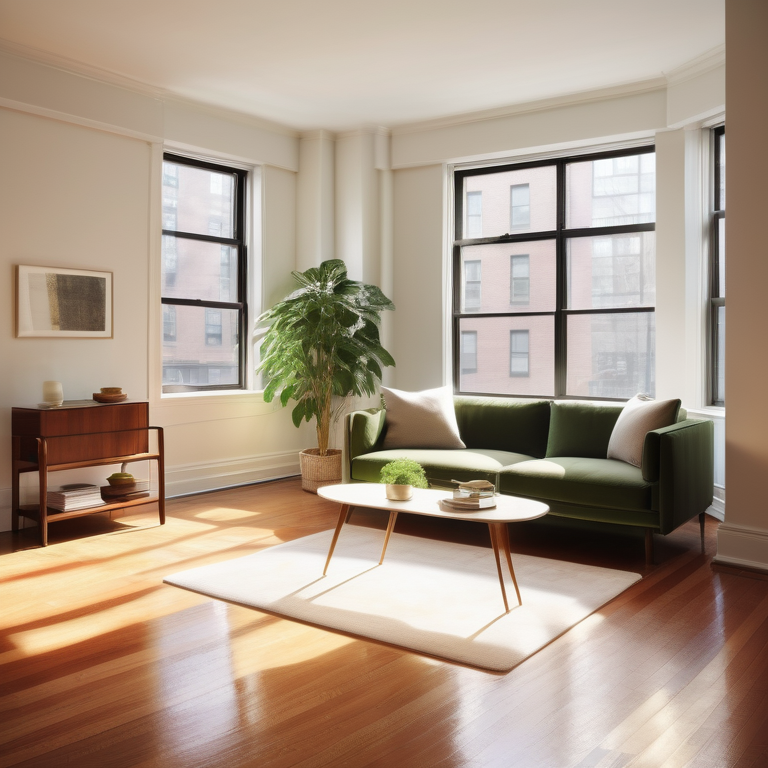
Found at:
(53, 394)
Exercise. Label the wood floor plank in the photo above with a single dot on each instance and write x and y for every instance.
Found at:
(102, 664)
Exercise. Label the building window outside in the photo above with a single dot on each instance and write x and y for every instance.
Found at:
(518, 353)
(469, 351)
(213, 327)
(590, 252)
(520, 279)
(520, 206)
(170, 176)
(203, 275)
(169, 323)
(170, 262)
(472, 286)
(717, 272)
(474, 214)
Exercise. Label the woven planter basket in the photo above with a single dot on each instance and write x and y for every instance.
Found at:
(317, 470)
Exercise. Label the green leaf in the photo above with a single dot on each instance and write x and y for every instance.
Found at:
(298, 413)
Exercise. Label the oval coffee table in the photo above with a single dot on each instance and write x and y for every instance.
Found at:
(508, 509)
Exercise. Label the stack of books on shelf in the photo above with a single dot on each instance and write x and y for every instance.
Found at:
(473, 495)
(136, 490)
(75, 496)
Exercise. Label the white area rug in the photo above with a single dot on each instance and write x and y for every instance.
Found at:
(435, 597)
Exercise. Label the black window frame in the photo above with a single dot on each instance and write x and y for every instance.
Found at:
(716, 295)
(237, 241)
(561, 235)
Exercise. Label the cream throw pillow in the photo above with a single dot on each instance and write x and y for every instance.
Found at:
(640, 415)
(424, 419)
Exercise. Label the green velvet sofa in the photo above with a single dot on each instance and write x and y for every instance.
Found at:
(555, 452)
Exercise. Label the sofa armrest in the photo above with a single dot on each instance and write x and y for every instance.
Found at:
(681, 459)
(362, 431)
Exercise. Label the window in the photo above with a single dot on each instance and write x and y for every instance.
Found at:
(170, 262)
(213, 327)
(519, 279)
(518, 353)
(203, 280)
(589, 253)
(717, 272)
(469, 351)
(520, 206)
(474, 214)
(169, 323)
(472, 286)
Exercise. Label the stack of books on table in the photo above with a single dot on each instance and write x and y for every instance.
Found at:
(136, 490)
(469, 496)
(75, 496)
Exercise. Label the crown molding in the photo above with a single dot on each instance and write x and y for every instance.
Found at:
(712, 59)
(365, 130)
(573, 99)
(320, 134)
(108, 77)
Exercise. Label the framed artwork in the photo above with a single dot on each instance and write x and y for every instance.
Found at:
(52, 302)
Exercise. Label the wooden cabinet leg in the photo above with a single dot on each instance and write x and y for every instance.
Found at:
(160, 476)
(15, 483)
(42, 464)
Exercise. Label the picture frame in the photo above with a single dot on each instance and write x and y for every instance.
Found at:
(53, 302)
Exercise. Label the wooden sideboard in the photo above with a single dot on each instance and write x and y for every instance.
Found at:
(80, 433)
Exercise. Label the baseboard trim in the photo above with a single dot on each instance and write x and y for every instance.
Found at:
(186, 479)
(738, 570)
(742, 547)
(717, 510)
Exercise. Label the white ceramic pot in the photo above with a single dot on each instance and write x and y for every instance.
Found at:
(399, 492)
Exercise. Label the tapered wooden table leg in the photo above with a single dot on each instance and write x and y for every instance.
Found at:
(342, 518)
(390, 528)
(504, 536)
(495, 545)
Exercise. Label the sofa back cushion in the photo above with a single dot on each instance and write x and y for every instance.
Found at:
(581, 429)
(504, 425)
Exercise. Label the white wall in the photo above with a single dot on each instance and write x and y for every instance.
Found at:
(80, 187)
(419, 291)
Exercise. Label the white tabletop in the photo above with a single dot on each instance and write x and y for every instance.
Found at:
(508, 509)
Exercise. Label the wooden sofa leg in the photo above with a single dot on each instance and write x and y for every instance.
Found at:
(649, 546)
(702, 519)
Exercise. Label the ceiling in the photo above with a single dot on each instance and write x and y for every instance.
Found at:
(342, 64)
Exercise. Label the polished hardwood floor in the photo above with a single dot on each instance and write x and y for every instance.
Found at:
(101, 664)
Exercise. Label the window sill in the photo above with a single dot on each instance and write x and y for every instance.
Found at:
(220, 394)
(708, 412)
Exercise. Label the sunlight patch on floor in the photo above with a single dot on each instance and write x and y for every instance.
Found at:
(222, 514)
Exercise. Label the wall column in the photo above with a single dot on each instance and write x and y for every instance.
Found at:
(315, 241)
(743, 538)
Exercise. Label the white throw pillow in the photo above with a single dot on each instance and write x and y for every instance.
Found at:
(424, 419)
(640, 415)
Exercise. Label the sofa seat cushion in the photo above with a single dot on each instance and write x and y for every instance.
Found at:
(459, 464)
(591, 482)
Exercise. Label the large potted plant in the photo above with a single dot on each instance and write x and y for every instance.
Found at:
(319, 342)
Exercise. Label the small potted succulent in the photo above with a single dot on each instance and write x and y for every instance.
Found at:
(401, 477)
